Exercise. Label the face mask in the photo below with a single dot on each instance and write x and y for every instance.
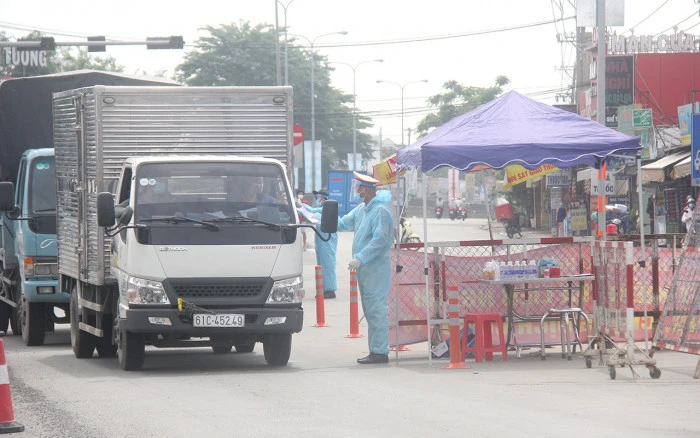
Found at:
(691, 205)
(300, 196)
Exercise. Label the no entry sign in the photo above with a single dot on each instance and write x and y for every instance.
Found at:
(298, 134)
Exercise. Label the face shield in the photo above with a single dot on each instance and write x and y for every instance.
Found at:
(358, 189)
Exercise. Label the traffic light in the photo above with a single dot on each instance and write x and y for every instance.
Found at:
(47, 43)
(97, 48)
(172, 42)
(44, 43)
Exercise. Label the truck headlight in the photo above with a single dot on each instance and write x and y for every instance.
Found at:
(290, 290)
(141, 291)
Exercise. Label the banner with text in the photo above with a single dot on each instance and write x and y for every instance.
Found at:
(517, 174)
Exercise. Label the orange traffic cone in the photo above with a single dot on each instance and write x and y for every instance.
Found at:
(7, 416)
(456, 356)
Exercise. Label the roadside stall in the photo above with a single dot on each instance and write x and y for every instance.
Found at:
(511, 129)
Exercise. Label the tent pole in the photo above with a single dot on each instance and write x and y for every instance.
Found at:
(397, 239)
(424, 183)
(488, 209)
(642, 262)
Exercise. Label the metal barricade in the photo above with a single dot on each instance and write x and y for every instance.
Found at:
(418, 297)
(679, 325)
(614, 303)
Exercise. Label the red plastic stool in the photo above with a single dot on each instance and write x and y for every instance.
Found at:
(483, 343)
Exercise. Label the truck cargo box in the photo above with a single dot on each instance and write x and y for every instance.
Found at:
(97, 128)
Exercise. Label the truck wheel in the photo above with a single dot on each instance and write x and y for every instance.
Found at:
(33, 322)
(5, 311)
(222, 348)
(14, 322)
(105, 348)
(277, 348)
(246, 347)
(14, 313)
(83, 343)
(131, 351)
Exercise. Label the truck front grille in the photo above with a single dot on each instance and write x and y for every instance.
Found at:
(245, 290)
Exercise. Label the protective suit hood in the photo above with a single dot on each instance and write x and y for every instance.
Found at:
(382, 197)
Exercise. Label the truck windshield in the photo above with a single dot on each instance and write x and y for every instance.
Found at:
(42, 186)
(208, 191)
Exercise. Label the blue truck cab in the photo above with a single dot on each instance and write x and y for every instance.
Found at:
(28, 252)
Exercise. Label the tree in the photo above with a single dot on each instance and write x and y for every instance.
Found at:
(85, 61)
(243, 54)
(60, 60)
(456, 100)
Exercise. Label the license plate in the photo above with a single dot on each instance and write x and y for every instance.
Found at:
(218, 320)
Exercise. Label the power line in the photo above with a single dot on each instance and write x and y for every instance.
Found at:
(648, 17)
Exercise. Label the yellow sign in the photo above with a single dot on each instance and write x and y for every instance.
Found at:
(385, 171)
(579, 219)
(516, 174)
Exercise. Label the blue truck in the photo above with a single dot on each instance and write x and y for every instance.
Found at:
(30, 299)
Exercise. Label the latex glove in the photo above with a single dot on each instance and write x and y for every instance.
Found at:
(298, 204)
(354, 264)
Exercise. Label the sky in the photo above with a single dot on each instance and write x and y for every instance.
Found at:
(470, 41)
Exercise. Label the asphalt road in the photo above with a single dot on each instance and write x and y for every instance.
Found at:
(324, 392)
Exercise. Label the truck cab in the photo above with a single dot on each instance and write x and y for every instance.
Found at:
(28, 256)
(205, 252)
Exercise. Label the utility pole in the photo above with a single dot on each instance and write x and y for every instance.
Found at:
(600, 62)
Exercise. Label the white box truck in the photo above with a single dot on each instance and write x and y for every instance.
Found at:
(205, 249)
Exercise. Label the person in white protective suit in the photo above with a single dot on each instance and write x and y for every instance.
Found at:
(373, 225)
(325, 251)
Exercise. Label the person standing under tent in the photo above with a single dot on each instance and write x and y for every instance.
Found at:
(373, 225)
(687, 219)
(325, 251)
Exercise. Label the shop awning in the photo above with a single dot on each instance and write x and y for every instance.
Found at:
(656, 171)
(681, 169)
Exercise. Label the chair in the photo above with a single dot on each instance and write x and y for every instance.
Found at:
(483, 343)
(563, 314)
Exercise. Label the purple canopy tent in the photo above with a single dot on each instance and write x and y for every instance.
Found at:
(514, 129)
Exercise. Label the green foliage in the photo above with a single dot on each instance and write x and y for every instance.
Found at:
(242, 54)
(84, 61)
(456, 100)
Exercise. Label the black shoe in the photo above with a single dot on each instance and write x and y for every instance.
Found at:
(374, 358)
(329, 294)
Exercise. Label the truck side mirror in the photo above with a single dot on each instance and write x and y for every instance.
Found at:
(105, 209)
(7, 196)
(329, 217)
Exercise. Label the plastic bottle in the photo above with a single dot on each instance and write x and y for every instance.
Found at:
(518, 269)
(532, 269)
(502, 271)
(510, 270)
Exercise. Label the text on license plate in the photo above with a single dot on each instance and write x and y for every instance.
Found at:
(218, 320)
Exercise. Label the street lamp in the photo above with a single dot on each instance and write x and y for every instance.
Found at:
(402, 87)
(286, 56)
(354, 107)
(313, 98)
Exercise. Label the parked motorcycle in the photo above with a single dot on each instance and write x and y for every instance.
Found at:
(453, 213)
(512, 226)
(438, 212)
(462, 213)
(407, 233)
